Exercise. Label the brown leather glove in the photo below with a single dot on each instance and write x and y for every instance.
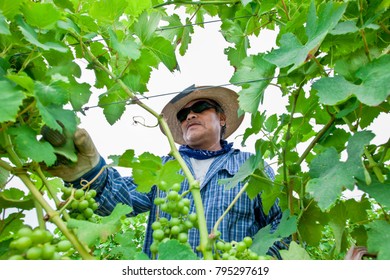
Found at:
(87, 158)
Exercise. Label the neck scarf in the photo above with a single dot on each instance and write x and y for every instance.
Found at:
(204, 154)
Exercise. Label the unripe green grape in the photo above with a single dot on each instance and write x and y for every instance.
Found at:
(34, 253)
(163, 221)
(83, 204)
(164, 207)
(176, 187)
(193, 217)
(92, 192)
(220, 245)
(248, 241)
(91, 201)
(158, 234)
(187, 202)
(185, 210)
(154, 247)
(74, 204)
(64, 246)
(24, 231)
(38, 236)
(94, 206)
(182, 237)
(180, 205)
(78, 194)
(227, 246)
(156, 225)
(173, 196)
(16, 258)
(241, 246)
(159, 200)
(48, 251)
(175, 230)
(174, 222)
(88, 213)
(188, 224)
(22, 243)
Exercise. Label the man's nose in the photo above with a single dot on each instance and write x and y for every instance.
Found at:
(191, 115)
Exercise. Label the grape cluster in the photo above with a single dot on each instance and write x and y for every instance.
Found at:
(179, 224)
(37, 244)
(236, 250)
(83, 204)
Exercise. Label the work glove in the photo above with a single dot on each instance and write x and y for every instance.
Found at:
(87, 157)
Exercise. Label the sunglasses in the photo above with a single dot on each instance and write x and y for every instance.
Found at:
(197, 107)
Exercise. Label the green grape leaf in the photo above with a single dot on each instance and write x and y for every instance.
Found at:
(23, 80)
(50, 115)
(337, 221)
(292, 51)
(79, 94)
(27, 145)
(10, 99)
(330, 176)
(32, 37)
(107, 11)
(263, 239)
(146, 26)
(4, 25)
(357, 210)
(113, 104)
(256, 69)
(294, 252)
(377, 190)
(15, 198)
(89, 232)
(41, 15)
(126, 249)
(51, 93)
(257, 121)
(127, 48)
(149, 171)
(345, 27)
(4, 175)
(311, 224)
(163, 50)
(371, 90)
(174, 250)
(10, 8)
(12, 223)
(379, 239)
(135, 8)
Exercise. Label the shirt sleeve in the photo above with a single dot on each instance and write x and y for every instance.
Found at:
(112, 189)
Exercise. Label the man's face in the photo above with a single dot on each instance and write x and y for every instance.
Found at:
(202, 130)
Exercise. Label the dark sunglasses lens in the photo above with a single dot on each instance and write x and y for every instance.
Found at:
(198, 107)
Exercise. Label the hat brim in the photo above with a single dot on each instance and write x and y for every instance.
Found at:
(226, 98)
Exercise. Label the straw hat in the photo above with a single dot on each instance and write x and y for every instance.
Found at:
(225, 97)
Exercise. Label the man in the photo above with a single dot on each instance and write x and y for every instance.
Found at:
(199, 119)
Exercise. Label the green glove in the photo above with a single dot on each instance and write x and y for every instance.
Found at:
(87, 157)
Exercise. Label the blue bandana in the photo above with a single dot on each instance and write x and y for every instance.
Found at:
(204, 154)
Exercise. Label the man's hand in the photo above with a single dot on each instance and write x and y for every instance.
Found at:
(87, 158)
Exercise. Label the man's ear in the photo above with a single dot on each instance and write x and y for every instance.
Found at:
(222, 119)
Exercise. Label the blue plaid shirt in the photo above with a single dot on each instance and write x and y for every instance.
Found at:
(246, 217)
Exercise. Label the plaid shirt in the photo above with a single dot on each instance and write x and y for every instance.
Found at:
(246, 217)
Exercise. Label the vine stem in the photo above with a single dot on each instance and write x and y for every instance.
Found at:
(21, 172)
(194, 185)
(181, 2)
(217, 223)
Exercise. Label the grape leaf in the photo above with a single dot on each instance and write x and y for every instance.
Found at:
(11, 224)
(41, 15)
(89, 232)
(292, 51)
(113, 104)
(145, 27)
(4, 174)
(377, 190)
(371, 90)
(149, 171)
(379, 239)
(253, 68)
(263, 239)
(174, 250)
(15, 198)
(330, 176)
(337, 220)
(294, 252)
(127, 48)
(28, 146)
(311, 224)
(107, 11)
(3, 25)
(10, 99)
(31, 36)
(135, 8)
(163, 49)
